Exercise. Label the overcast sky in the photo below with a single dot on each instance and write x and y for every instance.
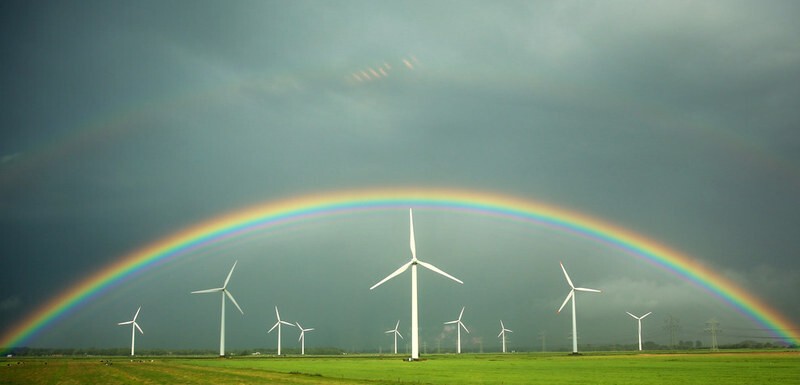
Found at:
(124, 122)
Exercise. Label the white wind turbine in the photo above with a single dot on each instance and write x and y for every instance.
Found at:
(134, 326)
(639, 319)
(503, 331)
(571, 295)
(302, 338)
(414, 308)
(278, 325)
(396, 333)
(225, 292)
(459, 325)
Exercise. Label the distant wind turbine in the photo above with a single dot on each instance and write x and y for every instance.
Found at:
(571, 295)
(459, 325)
(396, 333)
(225, 292)
(134, 326)
(639, 319)
(302, 338)
(278, 325)
(503, 331)
(414, 308)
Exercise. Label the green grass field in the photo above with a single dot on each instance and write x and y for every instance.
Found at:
(680, 369)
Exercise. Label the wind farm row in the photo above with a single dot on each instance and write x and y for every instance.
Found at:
(415, 345)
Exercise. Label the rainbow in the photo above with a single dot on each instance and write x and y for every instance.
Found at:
(291, 211)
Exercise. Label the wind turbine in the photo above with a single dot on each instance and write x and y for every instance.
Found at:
(227, 293)
(134, 326)
(639, 319)
(302, 338)
(571, 295)
(278, 325)
(414, 308)
(459, 325)
(396, 333)
(503, 331)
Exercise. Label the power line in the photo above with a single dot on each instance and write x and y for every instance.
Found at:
(712, 327)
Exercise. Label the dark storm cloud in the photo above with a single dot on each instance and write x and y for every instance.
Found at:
(673, 119)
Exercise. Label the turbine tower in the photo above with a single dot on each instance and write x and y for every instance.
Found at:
(278, 325)
(640, 326)
(459, 325)
(503, 331)
(571, 295)
(396, 333)
(225, 292)
(134, 326)
(302, 338)
(414, 308)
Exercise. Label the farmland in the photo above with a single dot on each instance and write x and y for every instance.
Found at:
(534, 368)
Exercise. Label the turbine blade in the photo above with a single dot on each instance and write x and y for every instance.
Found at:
(273, 327)
(230, 296)
(390, 331)
(566, 275)
(207, 291)
(461, 314)
(137, 313)
(509, 330)
(585, 289)
(450, 322)
(646, 315)
(501, 325)
(398, 333)
(125, 323)
(501, 333)
(298, 325)
(287, 323)
(224, 285)
(390, 276)
(412, 244)
(397, 325)
(277, 315)
(629, 313)
(571, 293)
(308, 330)
(301, 335)
(463, 326)
(437, 270)
(137, 326)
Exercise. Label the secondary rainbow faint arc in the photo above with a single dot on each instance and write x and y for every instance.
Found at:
(275, 213)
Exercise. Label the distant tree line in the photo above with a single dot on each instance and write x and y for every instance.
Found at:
(680, 345)
(125, 351)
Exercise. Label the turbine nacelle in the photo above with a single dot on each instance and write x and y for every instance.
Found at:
(573, 289)
(639, 318)
(279, 322)
(503, 329)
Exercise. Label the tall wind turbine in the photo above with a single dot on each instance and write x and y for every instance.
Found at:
(571, 295)
(639, 319)
(134, 326)
(225, 292)
(302, 338)
(503, 331)
(459, 325)
(414, 308)
(396, 333)
(278, 325)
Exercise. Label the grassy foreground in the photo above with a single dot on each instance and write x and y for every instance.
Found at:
(682, 369)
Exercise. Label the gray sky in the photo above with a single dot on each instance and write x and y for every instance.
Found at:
(125, 122)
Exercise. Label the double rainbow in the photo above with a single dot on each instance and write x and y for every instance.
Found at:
(276, 213)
